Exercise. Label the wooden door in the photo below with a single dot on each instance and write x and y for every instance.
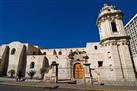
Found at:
(78, 71)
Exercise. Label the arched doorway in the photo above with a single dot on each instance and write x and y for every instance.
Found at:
(78, 71)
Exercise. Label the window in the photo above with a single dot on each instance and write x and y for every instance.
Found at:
(109, 55)
(32, 64)
(110, 66)
(114, 28)
(54, 52)
(60, 53)
(13, 51)
(44, 53)
(100, 63)
(95, 47)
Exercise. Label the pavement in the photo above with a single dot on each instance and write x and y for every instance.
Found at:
(43, 84)
(19, 88)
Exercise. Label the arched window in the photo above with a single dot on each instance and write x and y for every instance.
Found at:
(32, 64)
(13, 51)
(60, 53)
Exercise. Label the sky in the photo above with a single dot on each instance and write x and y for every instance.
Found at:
(55, 23)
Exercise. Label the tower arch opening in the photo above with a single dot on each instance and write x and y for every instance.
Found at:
(114, 27)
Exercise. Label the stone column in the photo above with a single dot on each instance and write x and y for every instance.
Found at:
(87, 73)
(69, 69)
(54, 76)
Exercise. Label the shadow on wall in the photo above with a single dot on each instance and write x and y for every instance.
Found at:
(4, 61)
(22, 62)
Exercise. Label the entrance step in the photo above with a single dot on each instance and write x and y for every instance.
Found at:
(67, 81)
(80, 81)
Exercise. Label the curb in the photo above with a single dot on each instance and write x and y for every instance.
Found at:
(49, 87)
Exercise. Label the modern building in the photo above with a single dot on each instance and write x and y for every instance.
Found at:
(131, 29)
(106, 61)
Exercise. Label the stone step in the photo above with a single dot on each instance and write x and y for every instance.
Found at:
(68, 81)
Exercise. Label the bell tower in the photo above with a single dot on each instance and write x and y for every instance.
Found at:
(114, 40)
(110, 22)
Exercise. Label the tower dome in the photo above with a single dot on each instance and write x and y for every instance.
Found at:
(109, 10)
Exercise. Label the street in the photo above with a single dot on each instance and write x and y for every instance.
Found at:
(18, 88)
(8, 84)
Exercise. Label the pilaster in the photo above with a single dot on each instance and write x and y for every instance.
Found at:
(87, 73)
(54, 76)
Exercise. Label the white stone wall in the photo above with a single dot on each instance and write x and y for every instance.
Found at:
(62, 60)
(38, 63)
(15, 58)
(100, 54)
(107, 54)
(135, 61)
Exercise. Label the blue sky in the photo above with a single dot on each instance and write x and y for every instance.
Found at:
(55, 23)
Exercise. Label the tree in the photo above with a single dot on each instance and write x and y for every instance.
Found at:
(31, 73)
(12, 73)
(42, 72)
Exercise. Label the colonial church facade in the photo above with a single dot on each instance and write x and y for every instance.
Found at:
(103, 61)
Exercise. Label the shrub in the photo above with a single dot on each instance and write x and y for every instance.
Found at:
(12, 73)
(31, 73)
(42, 72)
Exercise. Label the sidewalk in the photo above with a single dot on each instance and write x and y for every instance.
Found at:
(42, 84)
